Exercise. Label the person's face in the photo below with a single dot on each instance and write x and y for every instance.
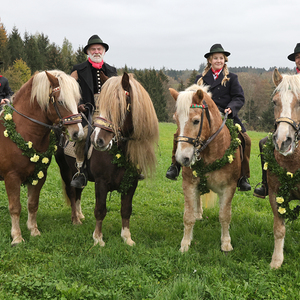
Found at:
(217, 61)
(96, 52)
(297, 60)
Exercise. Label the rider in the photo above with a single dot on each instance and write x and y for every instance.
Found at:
(228, 95)
(5, 90)
(262, 191)
(88, 76)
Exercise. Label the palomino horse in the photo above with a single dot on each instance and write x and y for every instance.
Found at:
(126, 131)
(283, 162)
(25, 141)
(204, 141)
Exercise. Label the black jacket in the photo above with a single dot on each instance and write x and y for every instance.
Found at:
(5, 90)
(85, 79)
(229, 96)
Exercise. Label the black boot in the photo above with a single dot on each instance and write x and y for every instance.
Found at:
(244, 184)
(79, 180)
(173, 171)
(261, 192)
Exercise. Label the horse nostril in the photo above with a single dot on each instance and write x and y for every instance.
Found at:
(186, 161)
(75, 136)
(100, 142)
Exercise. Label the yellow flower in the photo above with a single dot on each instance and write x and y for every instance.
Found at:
(195, 173)
(279, 200)
(29, 144)
(55, 148)
(230, 158)
(45, 160)
(8, 117)
(265, 166)
(5, 133)
(34, 158)
(118, 156)
(34, 182)
(40, 174)
(238, 126)
(239, 141)
(281, 210)
(290, 174)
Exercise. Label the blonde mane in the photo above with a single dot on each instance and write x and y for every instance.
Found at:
(69, 89)
(112, 106)
(289, 83)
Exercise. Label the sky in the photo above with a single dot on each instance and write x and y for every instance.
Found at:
(158, 34)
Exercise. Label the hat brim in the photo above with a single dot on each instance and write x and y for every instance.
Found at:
(103, 44)
(291, 57)
(207, 55)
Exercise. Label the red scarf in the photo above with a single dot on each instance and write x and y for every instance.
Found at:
(298, 71)
(216, 73)
(96, 65)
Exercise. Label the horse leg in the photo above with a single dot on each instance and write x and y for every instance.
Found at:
(191, 198)
(126, 210)
(33, 193)
(279, 234)
(100, 211)
(225, 218)
(79, 213)
(199, 209)
(12, 186)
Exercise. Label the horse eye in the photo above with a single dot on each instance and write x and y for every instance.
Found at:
(196, 122)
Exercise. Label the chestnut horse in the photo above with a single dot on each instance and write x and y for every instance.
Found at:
(204, 138)
(285, 157)
(47, 101)
(126, 131)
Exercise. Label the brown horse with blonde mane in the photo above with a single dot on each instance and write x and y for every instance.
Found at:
(48, 100)
(283, 159)
(204, 138)
(125, 134)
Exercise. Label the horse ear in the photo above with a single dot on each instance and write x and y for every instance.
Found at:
(53, 80)
(173, 93)
(125, 82)
(200, 96)
(277, 77)
(103, 77)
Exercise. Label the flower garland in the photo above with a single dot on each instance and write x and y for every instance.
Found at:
(288, 209)
(41, 160)
(200, 169)
(131, 172)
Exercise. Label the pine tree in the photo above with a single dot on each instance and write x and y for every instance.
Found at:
(43, 45)
(54, 59)
(15, 46)
(32, 54)
(3, 46)
(80, 56)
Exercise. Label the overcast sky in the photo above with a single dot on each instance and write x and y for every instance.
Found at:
(163, 33)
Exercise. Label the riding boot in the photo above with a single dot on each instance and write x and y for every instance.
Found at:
(79, 179)
(243, 183)
(173, 171)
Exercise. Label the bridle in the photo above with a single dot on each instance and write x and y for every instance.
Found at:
(290, 122)
(69, 120)
(108, 125)
(197, 142)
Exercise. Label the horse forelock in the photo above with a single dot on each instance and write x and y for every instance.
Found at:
(69, 90)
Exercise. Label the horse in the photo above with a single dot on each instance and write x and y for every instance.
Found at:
(124, 137)
(283, 158)
(47, 101)
(208, 164)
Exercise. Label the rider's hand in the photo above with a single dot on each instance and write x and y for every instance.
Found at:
(4, 101)
(81, 108)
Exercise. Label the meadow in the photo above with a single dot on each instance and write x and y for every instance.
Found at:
(63, 263)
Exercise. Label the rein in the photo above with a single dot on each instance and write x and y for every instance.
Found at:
(196, 142)
(69, 120)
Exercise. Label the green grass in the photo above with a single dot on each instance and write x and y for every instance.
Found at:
(63, 264)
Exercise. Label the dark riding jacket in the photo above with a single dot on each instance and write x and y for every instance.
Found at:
(229, 96)
(86, 80)
(5, 90)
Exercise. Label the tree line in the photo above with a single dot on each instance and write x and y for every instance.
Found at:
(23, 56)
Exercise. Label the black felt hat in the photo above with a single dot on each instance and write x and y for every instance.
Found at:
(296, 50)
(95, 39)
(216, 48)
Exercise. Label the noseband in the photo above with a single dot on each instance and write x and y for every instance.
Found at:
(290, 122)
(198, 142)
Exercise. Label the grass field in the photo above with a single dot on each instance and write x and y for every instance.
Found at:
(63, 264)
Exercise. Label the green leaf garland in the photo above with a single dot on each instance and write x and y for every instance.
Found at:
(41, 160)
(131, 172)
(288, 182)
(200, 168)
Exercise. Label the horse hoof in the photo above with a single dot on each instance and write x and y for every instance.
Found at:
(130, 242)
(35, 232)
(16, 241)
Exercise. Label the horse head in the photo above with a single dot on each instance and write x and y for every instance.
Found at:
(286, 112)
(193, 120)
(106, 130)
